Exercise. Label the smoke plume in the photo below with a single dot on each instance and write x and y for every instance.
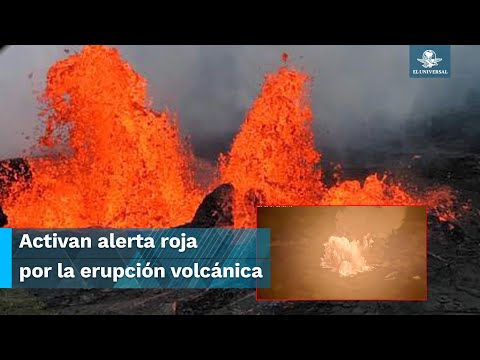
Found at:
(359, 92)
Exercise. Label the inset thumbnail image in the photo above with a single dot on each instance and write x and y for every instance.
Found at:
(346, 252)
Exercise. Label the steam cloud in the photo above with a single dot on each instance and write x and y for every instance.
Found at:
(358, 226)
(356, 222)
(358, 91)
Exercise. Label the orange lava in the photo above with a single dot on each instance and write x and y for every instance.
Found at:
(117, 163)
(124, 165)
(273, 160)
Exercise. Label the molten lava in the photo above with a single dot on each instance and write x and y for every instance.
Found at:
(122, 165)
(114, 162)
(273, 160)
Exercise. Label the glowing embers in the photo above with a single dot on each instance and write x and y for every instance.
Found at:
(346, 257)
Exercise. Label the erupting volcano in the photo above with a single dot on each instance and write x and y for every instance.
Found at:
(112, 161)
(120, 164)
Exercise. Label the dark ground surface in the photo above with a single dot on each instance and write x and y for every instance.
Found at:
(453, 259)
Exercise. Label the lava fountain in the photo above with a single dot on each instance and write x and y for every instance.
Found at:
(273, 160)
(112, 161)
(118, 163)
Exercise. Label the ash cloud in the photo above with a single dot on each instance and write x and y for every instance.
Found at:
(361, 95)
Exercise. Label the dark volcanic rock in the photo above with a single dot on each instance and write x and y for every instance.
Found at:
(12, 171)
(3, 218)
(216, 210)
(453, 272)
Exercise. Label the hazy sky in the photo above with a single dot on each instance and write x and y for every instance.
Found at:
(355, 88)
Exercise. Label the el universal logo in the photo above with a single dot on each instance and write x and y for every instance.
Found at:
(430, 61)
